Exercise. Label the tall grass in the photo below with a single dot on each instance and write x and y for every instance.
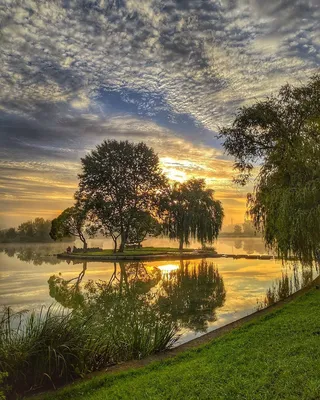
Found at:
(54, 346)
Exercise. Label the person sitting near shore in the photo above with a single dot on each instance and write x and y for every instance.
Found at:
(68, 249)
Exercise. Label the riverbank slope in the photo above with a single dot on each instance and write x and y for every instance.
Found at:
(276, 356)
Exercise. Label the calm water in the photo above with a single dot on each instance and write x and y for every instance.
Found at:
(199, 295)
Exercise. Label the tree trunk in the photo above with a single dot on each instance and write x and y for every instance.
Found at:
(115, 243)
(85, 246)
(181, 244)
(123, 242)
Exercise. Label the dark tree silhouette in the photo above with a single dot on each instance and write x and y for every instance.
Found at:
(190, 211)
(71, 222)
(120, 179)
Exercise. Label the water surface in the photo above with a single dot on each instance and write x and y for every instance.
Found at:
(199, 295)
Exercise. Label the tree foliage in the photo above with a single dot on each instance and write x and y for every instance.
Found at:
(71, 222)
(120, 179)
(142, 225)
(36, 230)
(283, 134)
(190, 211)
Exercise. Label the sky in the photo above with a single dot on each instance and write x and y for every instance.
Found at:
(166, 72)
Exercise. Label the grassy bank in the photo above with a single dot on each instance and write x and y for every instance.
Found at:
(275, 357)
(136, 252)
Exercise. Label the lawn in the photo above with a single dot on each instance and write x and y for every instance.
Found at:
(136, 252)
(275, 357)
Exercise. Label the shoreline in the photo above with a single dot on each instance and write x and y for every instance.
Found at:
(209, 336)
(192, 344)
(165, 256)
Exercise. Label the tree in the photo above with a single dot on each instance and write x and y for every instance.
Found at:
(190, 211)
(71, 222)
(41, 228)
(26, 229)
(125, 178)
(237, 229)
(248, 228)
(143, 224)
(103, 218)
(283, 134)
(11, 233)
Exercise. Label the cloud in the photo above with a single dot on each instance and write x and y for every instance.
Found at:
(167, 72)
(201, 56)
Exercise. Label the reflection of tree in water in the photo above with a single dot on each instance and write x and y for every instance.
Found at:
(10, 252)
(134, 277)
(192, 294)
(67, 292)
(250, 245)
(125, 303)
(187, 297)
(38, 255)
(289, 283)
(253, 246)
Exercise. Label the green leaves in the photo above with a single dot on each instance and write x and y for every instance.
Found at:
(283, 134)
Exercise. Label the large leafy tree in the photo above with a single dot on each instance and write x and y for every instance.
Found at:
(282, 134)
(190, 211)
(71, 222)
(121, 179)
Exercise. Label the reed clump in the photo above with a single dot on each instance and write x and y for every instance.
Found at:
(55, 346)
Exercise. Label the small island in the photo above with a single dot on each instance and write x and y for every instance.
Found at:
(153, 253)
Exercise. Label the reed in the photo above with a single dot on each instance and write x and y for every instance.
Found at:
(53, 347)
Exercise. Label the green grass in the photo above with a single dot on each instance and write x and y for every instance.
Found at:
(137, 252)
(276, 357)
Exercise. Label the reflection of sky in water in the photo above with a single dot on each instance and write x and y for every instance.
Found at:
(24, 285)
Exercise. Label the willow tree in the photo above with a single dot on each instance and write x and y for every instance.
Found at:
(282, 136)
(191, 212)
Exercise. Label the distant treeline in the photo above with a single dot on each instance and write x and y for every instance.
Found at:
(247, 229)
(30, 231)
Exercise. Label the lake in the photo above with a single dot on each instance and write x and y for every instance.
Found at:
(199, 295)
